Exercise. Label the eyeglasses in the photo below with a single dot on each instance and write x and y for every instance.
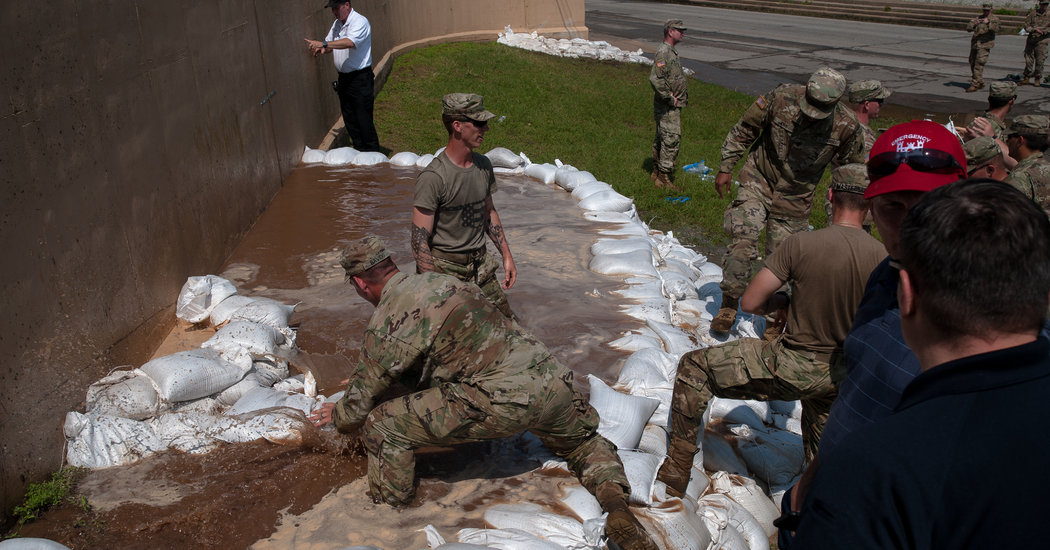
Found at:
(920, 160)
(476, 123)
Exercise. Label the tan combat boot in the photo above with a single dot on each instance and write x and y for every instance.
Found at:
(1024, 81)
(676, 469)
(663, 181)
(655, 173)
(622, 528)
(974, 87)
(726, 315)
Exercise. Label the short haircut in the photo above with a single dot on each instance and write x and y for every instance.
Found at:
(1036, 142)
(997, 102)
(852, 201)
(447, 120)
(377, 272)
(978, 254)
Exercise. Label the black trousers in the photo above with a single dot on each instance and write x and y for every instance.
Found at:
(356, 100)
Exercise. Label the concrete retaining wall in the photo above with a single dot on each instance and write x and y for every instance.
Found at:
(137, 145)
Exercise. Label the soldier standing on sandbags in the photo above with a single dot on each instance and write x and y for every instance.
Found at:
(480, 376)
(828, 268)
(789, 136)
(670, 94)
(981, 44)
(452, 211)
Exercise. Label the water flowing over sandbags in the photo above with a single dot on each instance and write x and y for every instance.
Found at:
(404, 158)
(257, 340)
(341, 156)
(200, 294)
(259, 399)
(635, 341)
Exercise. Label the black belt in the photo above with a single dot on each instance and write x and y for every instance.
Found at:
(351, 73)
(462, 258)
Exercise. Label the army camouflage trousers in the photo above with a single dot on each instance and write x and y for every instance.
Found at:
(481, 272)
(1034, 58)
(460, 413)
(744, 220)
(751, 369)
(668, 135)
(978, 59)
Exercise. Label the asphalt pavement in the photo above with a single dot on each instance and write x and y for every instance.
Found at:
(752, 52)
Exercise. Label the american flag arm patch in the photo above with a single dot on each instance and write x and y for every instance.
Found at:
(761, 102)
(661, 64)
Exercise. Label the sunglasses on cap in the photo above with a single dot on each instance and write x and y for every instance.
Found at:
(477, 124)
(920, 160)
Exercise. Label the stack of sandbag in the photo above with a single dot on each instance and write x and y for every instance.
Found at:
(235, 387)
(575, 47)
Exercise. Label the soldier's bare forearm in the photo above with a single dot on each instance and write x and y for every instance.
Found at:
(421, 249)
(495, 232)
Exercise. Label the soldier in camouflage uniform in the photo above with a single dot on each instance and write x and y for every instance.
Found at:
(452, 210)
(1027, 139)
(1001, 97)
(865, 99)
(984, 159)
(478, 376)
(829, 269)
(1037, 25)
(670, 94)
(983, 29)
(789, 135)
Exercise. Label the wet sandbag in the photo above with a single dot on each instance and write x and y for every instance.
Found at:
(730, 525)
(505, 539)
(200, 294)
(635, 341)
(186, 431)
(720, 455)
(340, 156)
(404, 158)
(582, 503)
(221, 313)
(691, 312)
(641, 288)
(620, 246)
(424, 160)
(745, 492)
(622, 417)
(607, 201)
(648, 368)
(652, 309)
(589, 188)
(542, 172)
(631, 217)
(255, 339)
(126, 393)
(103, 441)
(637, 263)
(267, 398)
(192, 374)
(535, 520)
(264, 311)
(774, 456)
(501, 157)
(278, 426)
(370, 158)
(709, 273)
(699, 481)
(676, 341)
(675, 524)
(677, 286)
(313, 156)
(641, 469)
(654, 440)
(569, 180)
(633, 228)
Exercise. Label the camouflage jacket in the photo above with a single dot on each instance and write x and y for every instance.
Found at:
(1032, 177)
(1036, 20)
(788, 150)
(997, 124)
(983, 33)
(667, 77)
(430, 329)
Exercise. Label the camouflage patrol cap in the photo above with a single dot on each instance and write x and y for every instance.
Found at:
(362, 255)
(980, 151)
(867, 90)
(850, 178)
(674, 24)
(823, 91)
(1029, 125)
(470, 106)
(1002, 90)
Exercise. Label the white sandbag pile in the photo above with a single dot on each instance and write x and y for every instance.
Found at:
(576, 47)
(232, 389)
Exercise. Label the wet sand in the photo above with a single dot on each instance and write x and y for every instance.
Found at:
(275, 497)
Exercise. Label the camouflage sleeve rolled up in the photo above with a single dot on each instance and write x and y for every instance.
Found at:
(854, 147)
(382, 362)
(744, 133)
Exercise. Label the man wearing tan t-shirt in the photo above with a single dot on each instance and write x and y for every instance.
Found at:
(828, 269)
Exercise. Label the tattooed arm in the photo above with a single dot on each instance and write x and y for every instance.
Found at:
(494, 229)
(422, 231)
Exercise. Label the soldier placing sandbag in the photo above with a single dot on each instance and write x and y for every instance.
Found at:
(479, 376)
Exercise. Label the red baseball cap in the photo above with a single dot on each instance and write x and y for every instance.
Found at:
(920, 155)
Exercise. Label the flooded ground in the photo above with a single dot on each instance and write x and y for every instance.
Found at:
(314, 496)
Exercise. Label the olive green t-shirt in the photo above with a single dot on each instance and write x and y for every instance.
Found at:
(829, 269)
(457, 197)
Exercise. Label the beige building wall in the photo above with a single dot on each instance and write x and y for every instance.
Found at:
(138, 142)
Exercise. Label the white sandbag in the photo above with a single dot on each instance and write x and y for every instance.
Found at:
(501, 157)
(340, 156)
(675, 524)
(562, 170)
(774, 456)
(730, 525)
(637, 263)
(569, 180)
(699, 481)
(199, 295)
(687, 269)
(633, 228)
(188, 432)
(221, 313)
(126, 393)
(634, 341)
(295, 383)
(738, 411)
(535, 520)
(676, 340)
(234, 393)
(257, 340)
(264, 311)
(721, 455)
(192, 374)
(542, 172)
(313, 156)
(691, 312)
(648, 368)
(581, 502)
(709, 273)
(269, 371)
(622, 417)
(586, 189)
(629, 217)
(505, 539)
(677, 286)
(791, 409)
(267, 398)
(404, 158)
(641, 288)
(619, 246)
(745, 492)
(31, 543)
(607, 201)
(103, 441)
(653, 309)
(641, 469)
(424, 160)
(654, 440)
(369, 158)
(279, 426)
(205, 405)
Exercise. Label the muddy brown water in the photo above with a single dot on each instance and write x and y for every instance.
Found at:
(266, 496)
